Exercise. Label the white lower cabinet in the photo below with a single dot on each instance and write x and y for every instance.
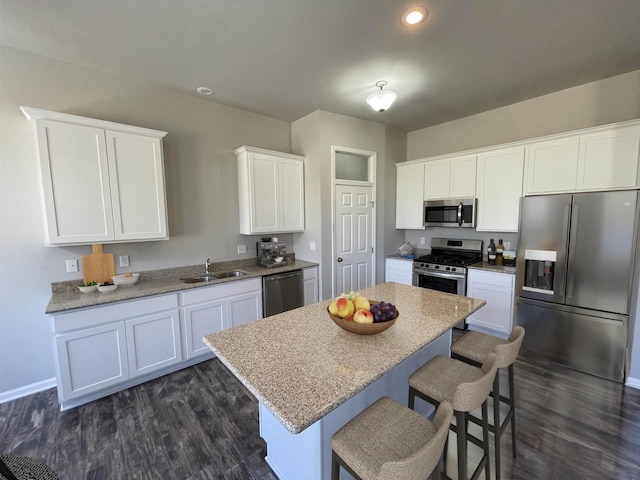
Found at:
(153, 342)
(310, 283)
(211, 309)
(99, 348)
(200, 320)
(91, 359)
(497, 289)
(399, 271)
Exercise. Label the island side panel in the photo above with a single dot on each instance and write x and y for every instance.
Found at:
(307, 455)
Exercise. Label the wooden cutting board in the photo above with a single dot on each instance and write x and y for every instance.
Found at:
(98, 267)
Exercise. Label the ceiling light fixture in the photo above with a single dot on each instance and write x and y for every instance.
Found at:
(204, 91)
(382, 100)
(414, 15)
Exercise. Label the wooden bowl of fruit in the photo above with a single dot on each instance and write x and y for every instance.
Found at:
(358, 315)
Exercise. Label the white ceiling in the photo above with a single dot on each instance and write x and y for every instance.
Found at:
(287, 58)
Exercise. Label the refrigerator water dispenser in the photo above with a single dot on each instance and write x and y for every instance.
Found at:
(539, 269)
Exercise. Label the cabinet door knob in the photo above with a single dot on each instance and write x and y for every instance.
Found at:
(339, 259)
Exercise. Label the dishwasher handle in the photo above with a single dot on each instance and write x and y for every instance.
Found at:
(282, 276)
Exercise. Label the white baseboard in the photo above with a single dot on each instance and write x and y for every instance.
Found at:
(633, 383)
(27, 390)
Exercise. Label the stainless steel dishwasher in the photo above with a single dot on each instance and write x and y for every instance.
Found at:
(282, 292)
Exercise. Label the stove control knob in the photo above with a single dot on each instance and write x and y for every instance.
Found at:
(448, 268)
(453, 269)
(437, 267)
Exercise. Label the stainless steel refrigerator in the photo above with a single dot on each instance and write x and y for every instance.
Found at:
(575, 269)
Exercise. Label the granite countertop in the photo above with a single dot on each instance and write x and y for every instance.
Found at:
(301, 365)
(492, 268)
(67, 297)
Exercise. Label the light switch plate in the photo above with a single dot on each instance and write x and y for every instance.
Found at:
(124, 260)
(312, 246)
(72, 266)
(242, 249)
(422, 240)
(507, 245)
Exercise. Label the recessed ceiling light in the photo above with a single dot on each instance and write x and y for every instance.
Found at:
(204, 91)
(414, 15)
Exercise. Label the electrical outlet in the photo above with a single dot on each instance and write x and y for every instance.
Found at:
(507, 245)
(422, 240)
(242, 249)
(312, 246)
(124, 260)
(72, 266)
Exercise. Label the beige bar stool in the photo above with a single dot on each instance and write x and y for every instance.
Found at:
(474, 348)
(466, 387)
(387, 441)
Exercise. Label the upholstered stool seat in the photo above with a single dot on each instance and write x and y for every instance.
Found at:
(388, 441)
(465, 387)
(474, 348)
(15, 467)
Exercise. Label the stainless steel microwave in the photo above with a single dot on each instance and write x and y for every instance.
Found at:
(459, 212)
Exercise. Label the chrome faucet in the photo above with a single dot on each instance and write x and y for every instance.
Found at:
(207, 267)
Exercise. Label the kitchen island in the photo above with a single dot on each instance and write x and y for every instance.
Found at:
(311, 377)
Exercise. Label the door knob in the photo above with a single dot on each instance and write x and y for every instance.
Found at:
(339, 259)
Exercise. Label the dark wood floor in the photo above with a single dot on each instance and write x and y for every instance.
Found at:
(200, 423)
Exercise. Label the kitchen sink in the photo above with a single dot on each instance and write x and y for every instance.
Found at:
(213, 276)
(232, 273)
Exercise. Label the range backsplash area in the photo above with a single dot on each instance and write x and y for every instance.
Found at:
(414, 236)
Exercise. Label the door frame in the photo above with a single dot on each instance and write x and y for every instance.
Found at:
(372, 156)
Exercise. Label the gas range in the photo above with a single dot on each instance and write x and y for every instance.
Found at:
(450, 255)
(445, 269)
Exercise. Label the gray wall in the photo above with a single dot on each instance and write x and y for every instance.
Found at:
(201, 184)
(614, 99)
(313, 136)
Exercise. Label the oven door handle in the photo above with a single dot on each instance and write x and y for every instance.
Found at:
(455, 276)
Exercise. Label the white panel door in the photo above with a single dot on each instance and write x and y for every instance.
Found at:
(199, 321)
(353, 242)
(291, 186)
(437, 179)
(137, 186)
(245, 308)
(153, 342)
(410, 196)
(263, 178)
(75, 177)
(91, 359)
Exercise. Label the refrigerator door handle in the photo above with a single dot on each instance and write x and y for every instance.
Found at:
(565, 232)
(573, 240)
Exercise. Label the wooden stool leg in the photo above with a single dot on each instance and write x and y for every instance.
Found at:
(461, 433)
(485, 440)
(435, 475)
(335, 467)
(496, 422)
(512, 399)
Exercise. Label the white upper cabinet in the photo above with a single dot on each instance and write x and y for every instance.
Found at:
(410, 195)
(499, 188)
(463, 177)
(450, 178)
(103, 182)
(609, 159)
(551, 166)
(271, 191)
(437, 175)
